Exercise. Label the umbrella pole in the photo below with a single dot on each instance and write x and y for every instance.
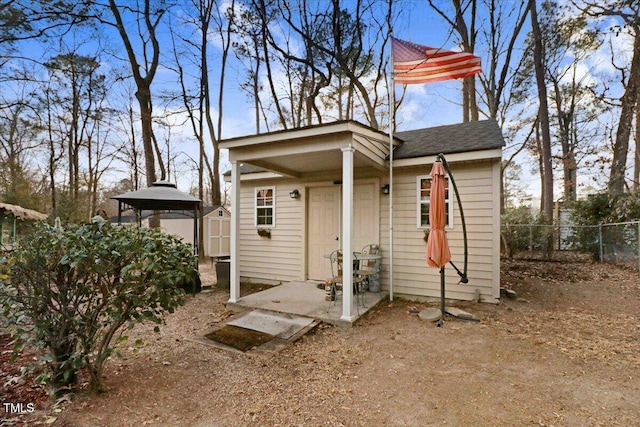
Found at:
(441, 297)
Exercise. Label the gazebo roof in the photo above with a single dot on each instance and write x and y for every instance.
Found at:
(20, 212)
(162, 195)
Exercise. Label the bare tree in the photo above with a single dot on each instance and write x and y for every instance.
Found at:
(627, 13)
(129, 151)
(567, 43)
(17, 141)
(196, 94)
(337, 41)
(501, 36)
(543, 115)
(100, 157)
(80, 89)
(224, 28)
(248, 48)
(144, 64)
(464, 23)
(623, 134)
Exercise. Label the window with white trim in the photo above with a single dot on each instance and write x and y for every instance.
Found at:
(424, 201)
(265, 206)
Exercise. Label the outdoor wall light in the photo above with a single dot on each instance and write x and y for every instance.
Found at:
(385, 189)
(295, 194)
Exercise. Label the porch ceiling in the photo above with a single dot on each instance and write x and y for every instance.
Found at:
(301, 164)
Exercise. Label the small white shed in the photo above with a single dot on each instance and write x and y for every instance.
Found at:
(299, 194)
(216, 227)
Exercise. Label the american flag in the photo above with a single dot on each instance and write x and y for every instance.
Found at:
(414, 63)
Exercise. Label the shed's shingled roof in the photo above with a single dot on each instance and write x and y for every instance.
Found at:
(458, 138)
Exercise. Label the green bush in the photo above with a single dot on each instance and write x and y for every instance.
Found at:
(74, 292)
(592, 211)
(602, 208)
(517, 234)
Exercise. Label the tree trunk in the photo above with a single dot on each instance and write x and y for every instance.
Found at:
(636, 158)
(52, 157)
(143, 84)
(262, 12)
(569, 165)
(468, 39)
(143, 96)
(623, 133)
(215, 184)
(543, 117)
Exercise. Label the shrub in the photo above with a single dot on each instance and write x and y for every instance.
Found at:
(517, 232)
(603, 208)
(73, 291)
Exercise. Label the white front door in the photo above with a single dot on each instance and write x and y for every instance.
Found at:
(324, 224)
(323, 229)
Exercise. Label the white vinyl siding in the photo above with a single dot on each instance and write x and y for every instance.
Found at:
(280, 257)
(479, 192)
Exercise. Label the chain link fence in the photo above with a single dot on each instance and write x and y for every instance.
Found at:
(615, 242)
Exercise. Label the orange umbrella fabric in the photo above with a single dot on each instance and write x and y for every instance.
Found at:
(438, 253)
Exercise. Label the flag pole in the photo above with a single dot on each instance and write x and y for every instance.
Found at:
(392, 118)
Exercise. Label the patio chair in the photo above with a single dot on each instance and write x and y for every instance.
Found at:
(336, 290)
(368, 269)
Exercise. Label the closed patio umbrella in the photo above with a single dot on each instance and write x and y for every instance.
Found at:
(438, 253)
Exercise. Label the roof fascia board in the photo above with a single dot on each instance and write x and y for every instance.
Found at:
(310, 132)
(369, 153)
(285, 148)
(375, 148)
(495, 153)
(255, 176)
(290, 135)
(371, 134)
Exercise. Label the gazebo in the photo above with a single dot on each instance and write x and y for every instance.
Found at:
(17, 212)
(161, 196)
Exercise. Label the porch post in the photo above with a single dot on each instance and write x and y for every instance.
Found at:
(347, 220)
(234, 291)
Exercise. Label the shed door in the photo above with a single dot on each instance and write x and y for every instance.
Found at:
(323, 229)
(219, 235)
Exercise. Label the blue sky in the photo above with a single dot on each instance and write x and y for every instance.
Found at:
(424, 105)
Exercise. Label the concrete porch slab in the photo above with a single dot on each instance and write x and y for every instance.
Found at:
(304, 298)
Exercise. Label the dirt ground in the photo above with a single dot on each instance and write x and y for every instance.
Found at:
(566, 353)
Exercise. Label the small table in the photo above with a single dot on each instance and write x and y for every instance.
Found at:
(365, 256)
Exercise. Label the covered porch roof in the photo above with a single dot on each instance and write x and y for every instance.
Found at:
(308, 152)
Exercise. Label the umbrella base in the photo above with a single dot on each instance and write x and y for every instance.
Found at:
(430, 314)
